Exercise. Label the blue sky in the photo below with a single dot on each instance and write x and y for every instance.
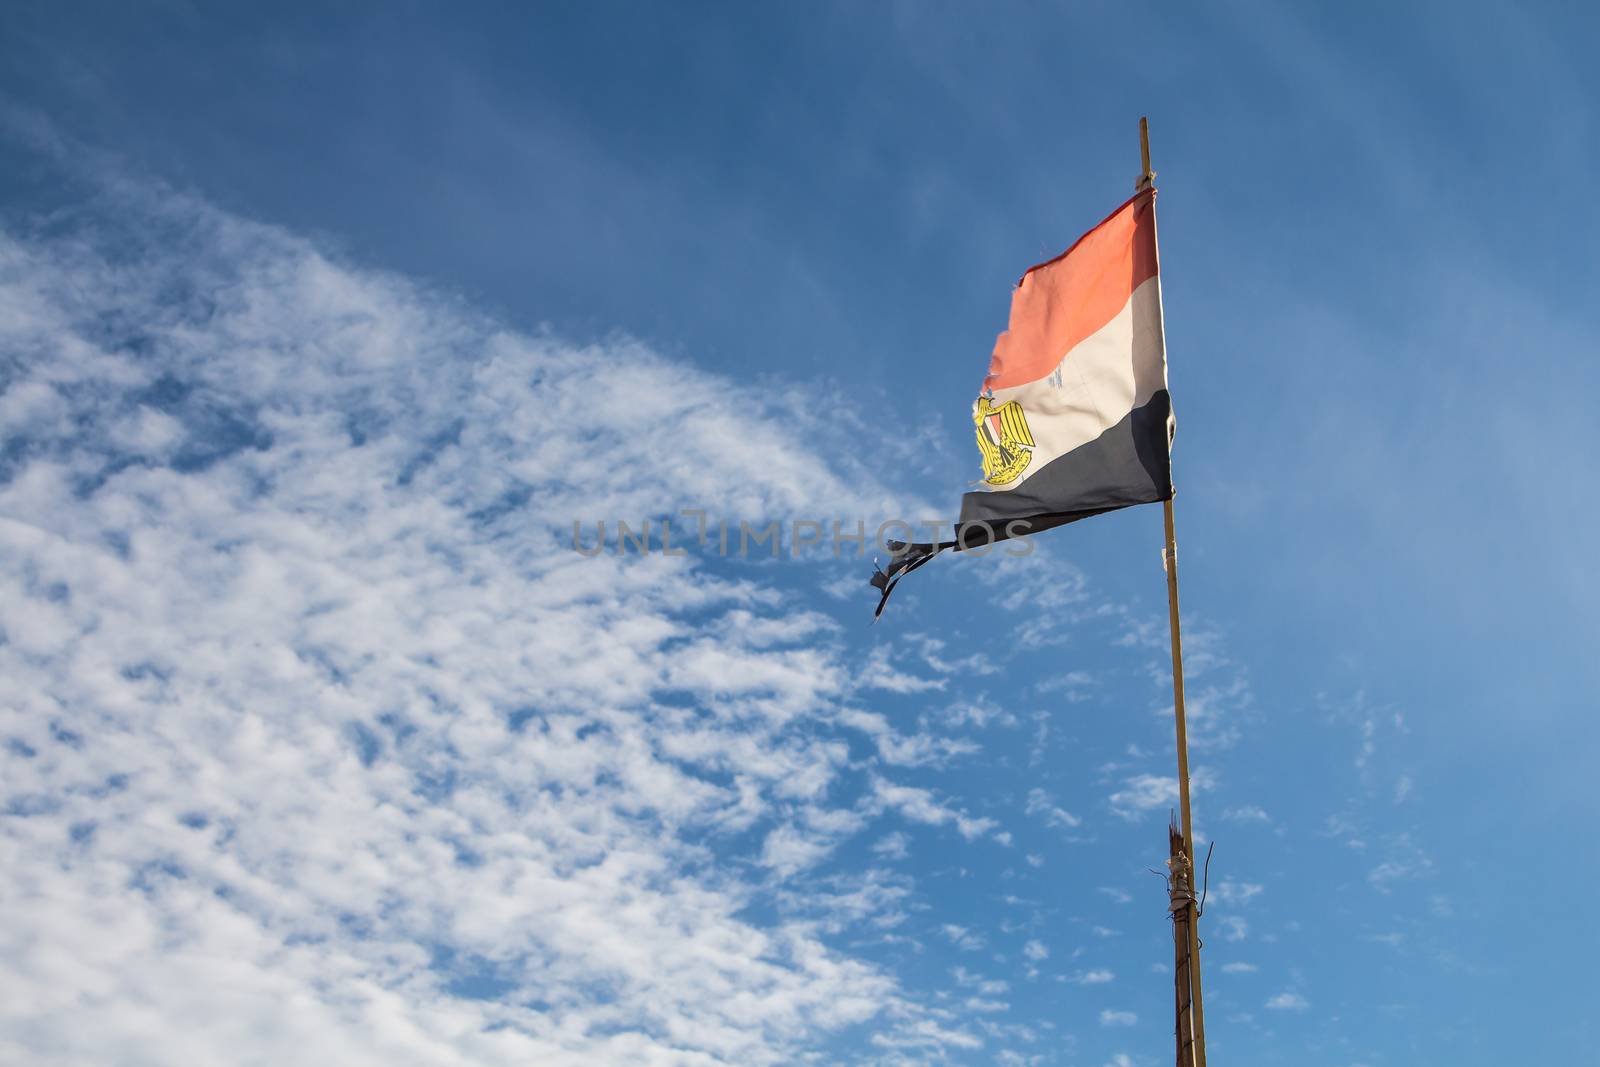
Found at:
(318, 330)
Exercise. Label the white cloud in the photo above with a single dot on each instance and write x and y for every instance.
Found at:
(1073, 684)
(1144, 793)
(1288, 1002)
(1041, 803)
(1404, 861)
(1246, 813)
(1368, 744)
(880, 673)
(1238, 968)
(893, 846)
(987, 986)
(1035, 951)
(788, 850)
(920, 805)
(1007, 1057)
(315, 705)
(921, 749)
(1232, 892)
(927, 1035)
(1108, 1017)
(976, 713)
(1212, 711)
(961, 937)
(975, 663)
(1100, 976)
(844, 586)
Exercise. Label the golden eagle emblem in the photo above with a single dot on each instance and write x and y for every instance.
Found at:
(1004, 439)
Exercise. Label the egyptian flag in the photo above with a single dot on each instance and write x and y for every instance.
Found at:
(1074, 418)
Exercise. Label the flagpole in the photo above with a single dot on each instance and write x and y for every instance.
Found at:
(1197, 1012)
(1170, 560)
(1179, 894)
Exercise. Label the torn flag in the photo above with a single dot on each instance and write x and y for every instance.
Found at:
(1074, 418)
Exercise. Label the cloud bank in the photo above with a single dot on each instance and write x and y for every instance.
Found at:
(320, 741)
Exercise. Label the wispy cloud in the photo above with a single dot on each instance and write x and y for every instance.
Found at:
(1145, 793)
(1040, 803)
(962, 937)
(1288, 1002)
(987, 986)
(1404, 860)
(921, 805)
(1246, 813)
(788, 849)
(921, 749)
(1229, 891)
(1098, 976)
(314, 703)
(880, 673)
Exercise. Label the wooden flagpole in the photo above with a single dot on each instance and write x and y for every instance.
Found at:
(1179, 895)
(1189, 910)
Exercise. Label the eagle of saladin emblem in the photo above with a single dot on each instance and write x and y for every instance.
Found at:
(1004, 440)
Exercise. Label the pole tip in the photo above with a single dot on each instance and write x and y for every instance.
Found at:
(1147, 176)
